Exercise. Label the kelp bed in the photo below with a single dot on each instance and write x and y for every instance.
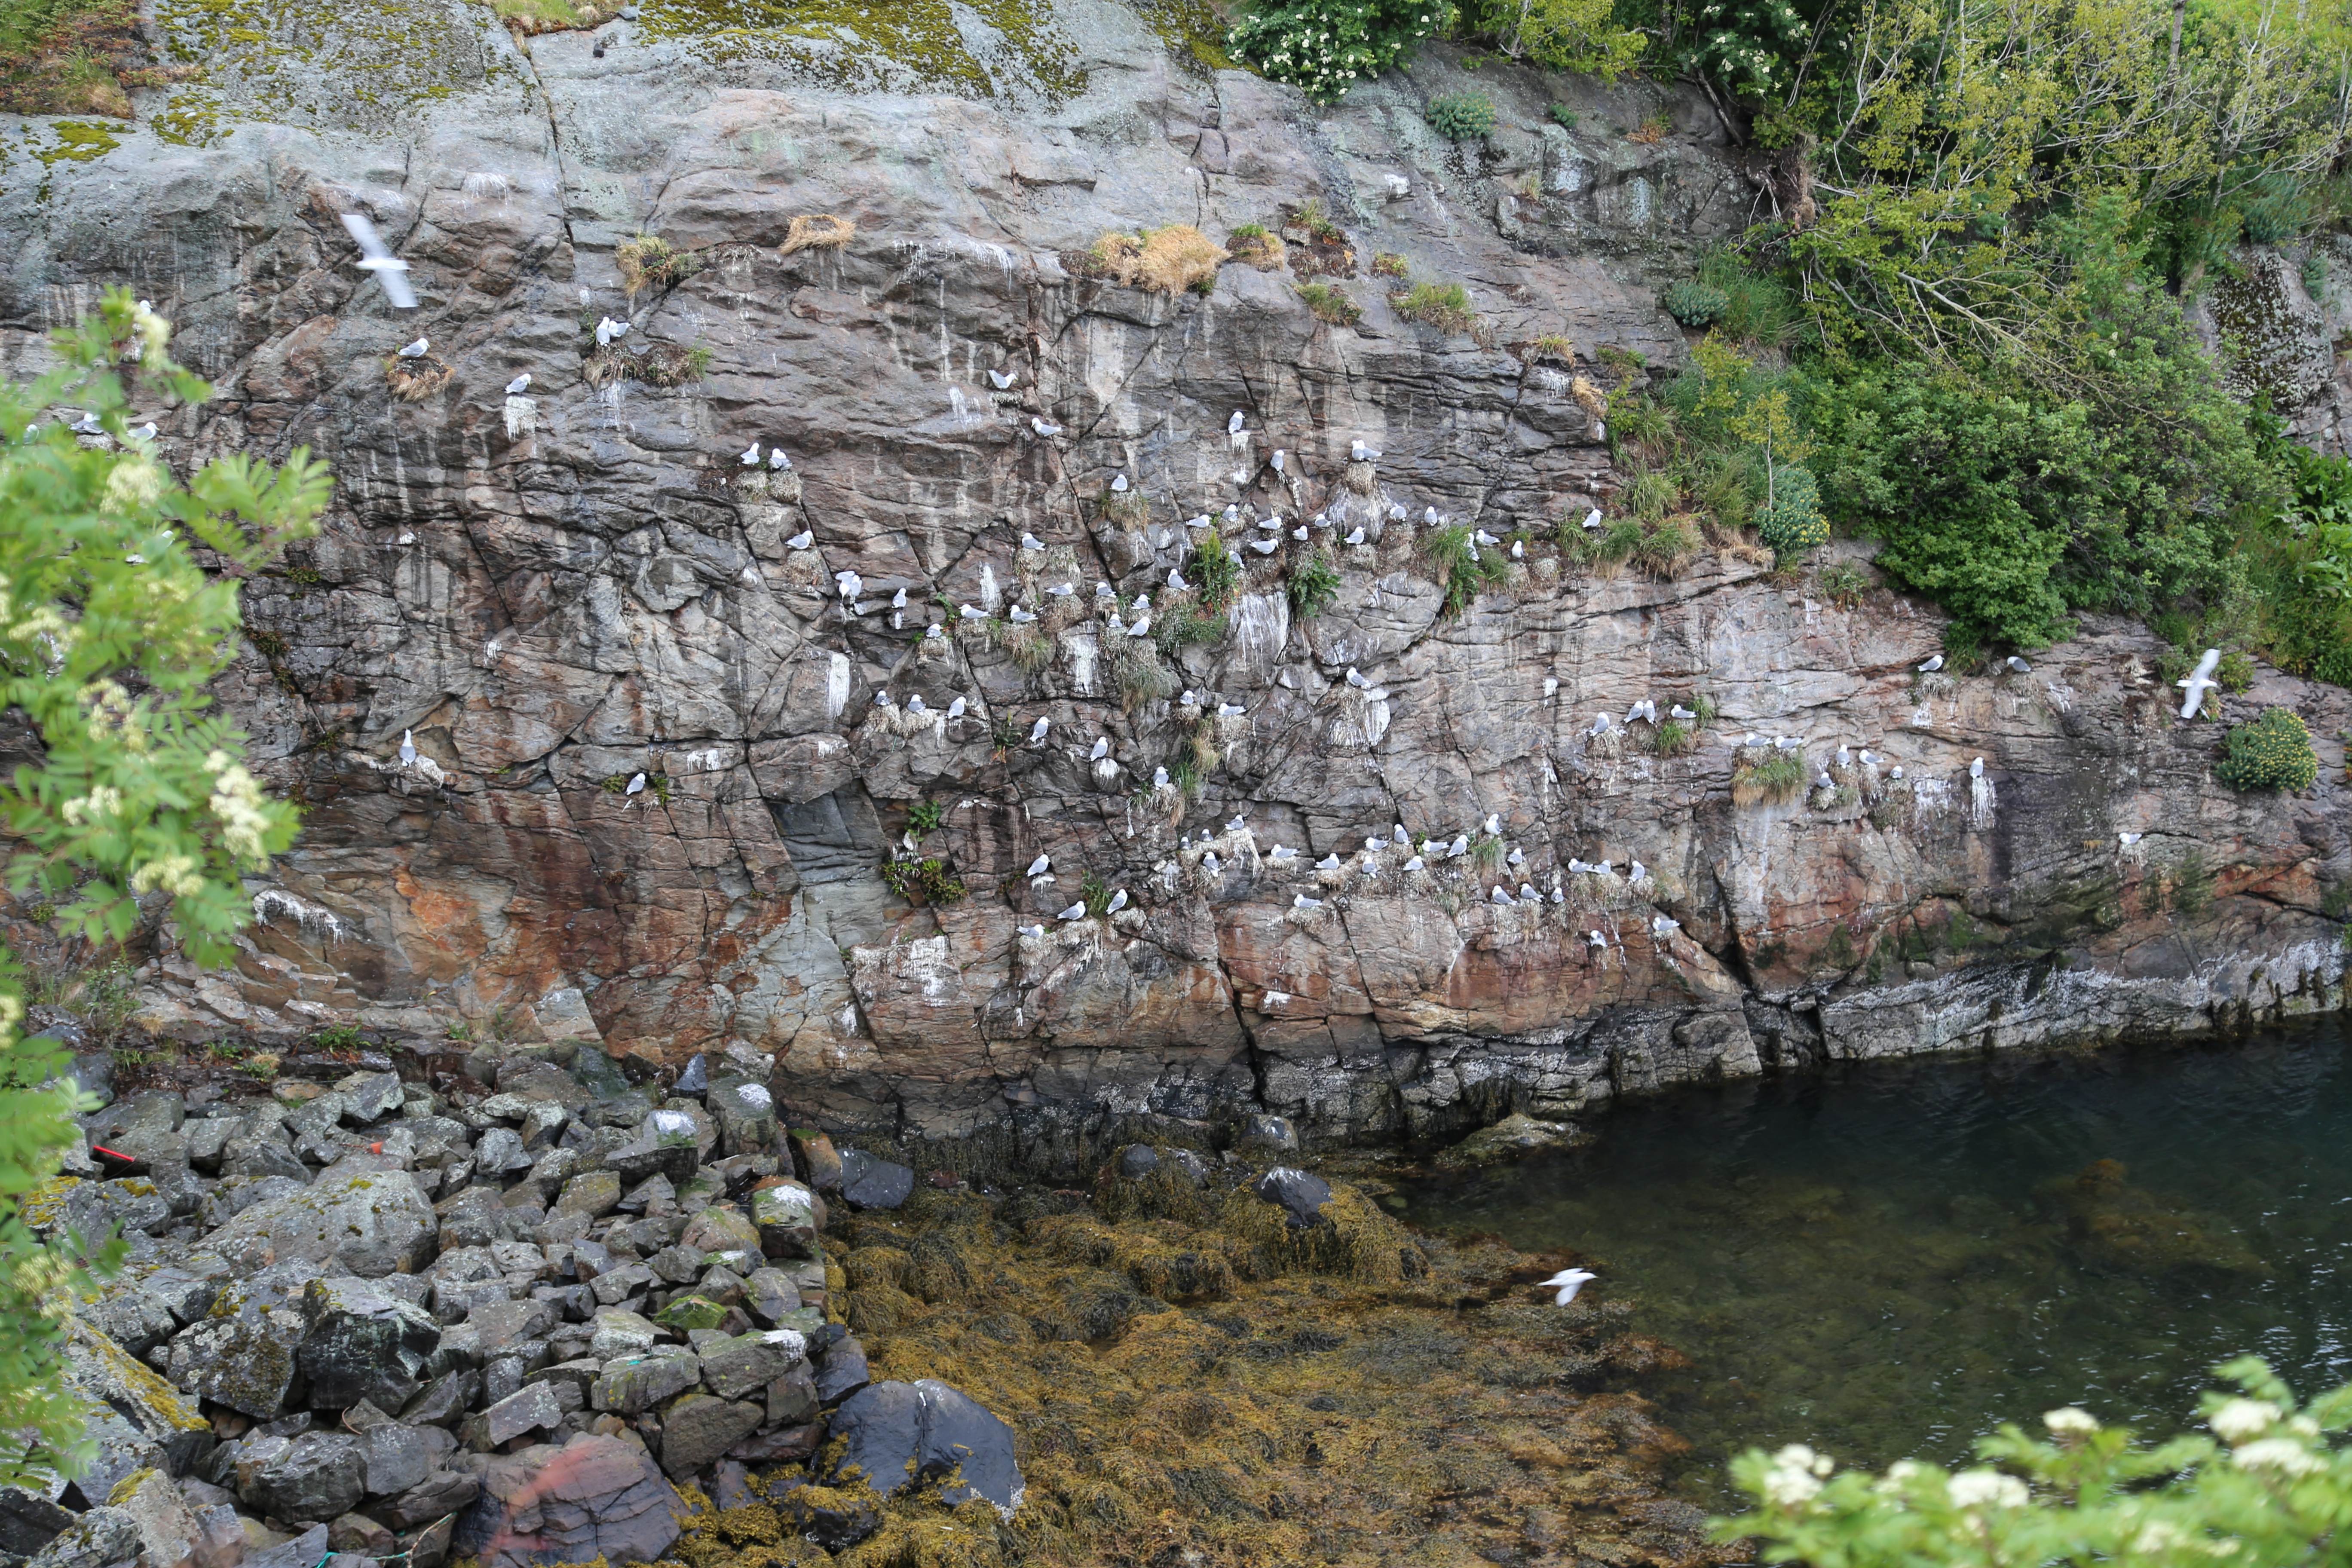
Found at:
(1192, 1381)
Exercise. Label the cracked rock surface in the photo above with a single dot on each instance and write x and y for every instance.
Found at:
(561, 589)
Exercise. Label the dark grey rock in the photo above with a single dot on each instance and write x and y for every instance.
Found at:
(368, 1224)
(306, 1549)
(697, 1428)
(395, 1457)
(741, 1367)
(442, 1493)
(243, 1352)
(362, 1343)
(445, 1400)
(871, 1183)
(1299, 1193)
(841, 1371)
(1137, 1161)
(694, 1079)
(101, 1538)
(499, 1325)
(1268, 1134)
(303, 1479)
(371, 1096)
(833, 1523)
(597, 1073)
(902, 1433)
(633, 1385)
(532, 1408)
(769, 1294)
(29, 1521)
(145, 1128)
(793, 1398)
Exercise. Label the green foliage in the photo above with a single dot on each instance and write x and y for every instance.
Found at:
(924, 817)
(1673, 739)
(1843, 584)
(338, 1037)
(926, 879)
(1445, 305)
(1462, 569)
(2273, 753)
(110, 635)
(1324, 47)
(1695, 304)
(1094, 893)
(1460, 116)
(1331, 304)
(1314, 584)
(1560, 35)
(1215, 570)
(2266, 1490)
(2298, 558)
(1563, 116)
(1791, 522)
(1765, 773)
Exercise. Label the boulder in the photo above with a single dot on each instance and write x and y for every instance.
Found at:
(1137, 1161)
(591, 1193)
(304, 1480)
(364, 1343)
(531, 1408)
(243, 1353)
(633, 1385)
(787, 1219)
(369, 1223)
(694, 1079)
(697, 1428)
(262, 1149)
(720, 1228)
(746, 1114)
(92, 1209)
(501, 1325)
(777, 1443)
(307, 1550)
(870, 1183)
(442, 1493)
(102, 1537)
(594, 1497)
(769, 1294)
(690, 1313)
(370, 1096)
(814, 1157)
(430, 1547)
(169, 1535)
(841, 1371)
(237, 1194)
(902, 1433)
(1298, 1194)
(361, 1536)
(745, 1365)
(29, 1521)
(134, 1402)
(615, 1333)
(397, 1456)
(445, 1400)
(145, 1128)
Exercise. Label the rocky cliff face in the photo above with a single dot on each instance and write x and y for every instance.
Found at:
(558, 591)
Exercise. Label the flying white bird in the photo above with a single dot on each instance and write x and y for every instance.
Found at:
(2197, 682)
(750, 456)
(1570, 1281)
(519, 385)
(1101, 749)
(1043, 426)
(1932, 665)
(2018, 665)
(1118, 902)
(407, 747)
(999, 380)
(1359, 453)
(415, 349)
(1074, 912)
(800, 540)
(377, 258)
(1037, 731)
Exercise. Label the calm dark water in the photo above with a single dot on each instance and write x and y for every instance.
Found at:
(1890, 1261)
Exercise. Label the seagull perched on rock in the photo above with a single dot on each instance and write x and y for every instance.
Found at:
(519, 385)
(1043, 426)
(1280, 457)
(1118, 902)
(1284, 852)
(1266, 546)
(1032, 932)
(778, 459)
(1021, 617)
(1518, 550)
(2129, 839)
(1398, 833)
(88, 425)
(1031, 541)
(1869, 757)
(1932, 665)
(1823, 781)
(970, 613)
(1076, 911)
(1176, 578)
(1040, 865)
(1101, 749)
(1638, 872)
(1787, 743)
(750, 456)
(415, 349)
(915, 704)
(1160, 778)
(934, 632)
(1329, 863)
(1037, 731)
(1569, 1282)
(1599, 725)
(1493, 822)
(1355, 536)
(1592, 518)
(999, 379)
(1677, 712)
(1118, 484)
(407, 747)
(1230, 710)
(377, 258)
(1501, 895)
(1414, 864)
(1355, 677)
(800, 540)
(1062, 590)
(2018, 665)
(1486, 539)
(1896, 774)
(1234, 426)
(1212, 865)
(1359, 453)
(2197, 682)
(1576, 867)
(1644, 709)
(1976, 769)
(1662, 925)
(144, 433)
(1301, 901)
(1459, 847)
(850, 583)
(1596, 939)
(1528, 894)
(608, 330)
(1517, 857)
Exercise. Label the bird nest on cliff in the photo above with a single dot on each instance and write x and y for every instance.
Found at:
(1164, 260)
(415, 380)
(816, 231)
(662, 365)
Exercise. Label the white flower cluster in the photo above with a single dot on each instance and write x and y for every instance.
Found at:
(1982, 1487)
(2070, 1423)
(238, 803)
(1796, 1476)
(133, 486)
(1322, 45)
(102, 801)
(2243, 1420)
(173, 874)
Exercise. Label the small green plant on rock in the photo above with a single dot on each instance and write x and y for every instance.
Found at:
(338, 1037)
(1216, 571)
(924, 817)
(1461, 115)
(1673, 739)
(1762, 773)
(1331, 304)
(926, 879)
(1695, 304)
(1314, 584)
(1843, 584)
(1462, 569)
(1094, 893)
(2274, 751)
(650, 261)
(1441, 305)
(1563, 116)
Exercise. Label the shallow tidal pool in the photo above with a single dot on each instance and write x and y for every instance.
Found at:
(1889, 1260)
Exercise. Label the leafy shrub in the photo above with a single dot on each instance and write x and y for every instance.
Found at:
(1331, 304)
(1314, 584)
(1461, 115)
(1388, 264)
(1462, 568)
(1215, 570)
(1695, 304)
(1843, 584)
(1673, 739)
(2235, 672)
(1792, 521)
(1324, 47)
(1760, 774)
(1443, 305)
(926, 880)
(2273, 753)
(924, 819)
(1564, 116)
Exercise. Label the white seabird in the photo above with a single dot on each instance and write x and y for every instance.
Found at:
(1230, 709)
(1040, 865)
(636, 783)
(1355, 536)
(1359, 453)
(377, 258)
(1031, 541)
(750, 456)
(1592, 518)
(800, 540)
(1677, 712)
(1284, 852)
(415, 349)
(1037, 731)
(1501, 895)
(2018, 665)
(519, 385)
(1570, 1281)
(1118, 484)
(1301, 901)
(1043, 426)
(1001, 381)
(778, 459)
(1329, 863)
(2197, 682)
(1976, 769)
(407, 747)
(1931, 666)
(1118, 902)
(1234, 426)
(1076, 911)
(1100, 750)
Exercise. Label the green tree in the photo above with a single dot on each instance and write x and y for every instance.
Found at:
(2270, 1487)
(118, 608)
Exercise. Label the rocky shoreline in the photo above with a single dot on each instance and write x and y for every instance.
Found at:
(531, 1313)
